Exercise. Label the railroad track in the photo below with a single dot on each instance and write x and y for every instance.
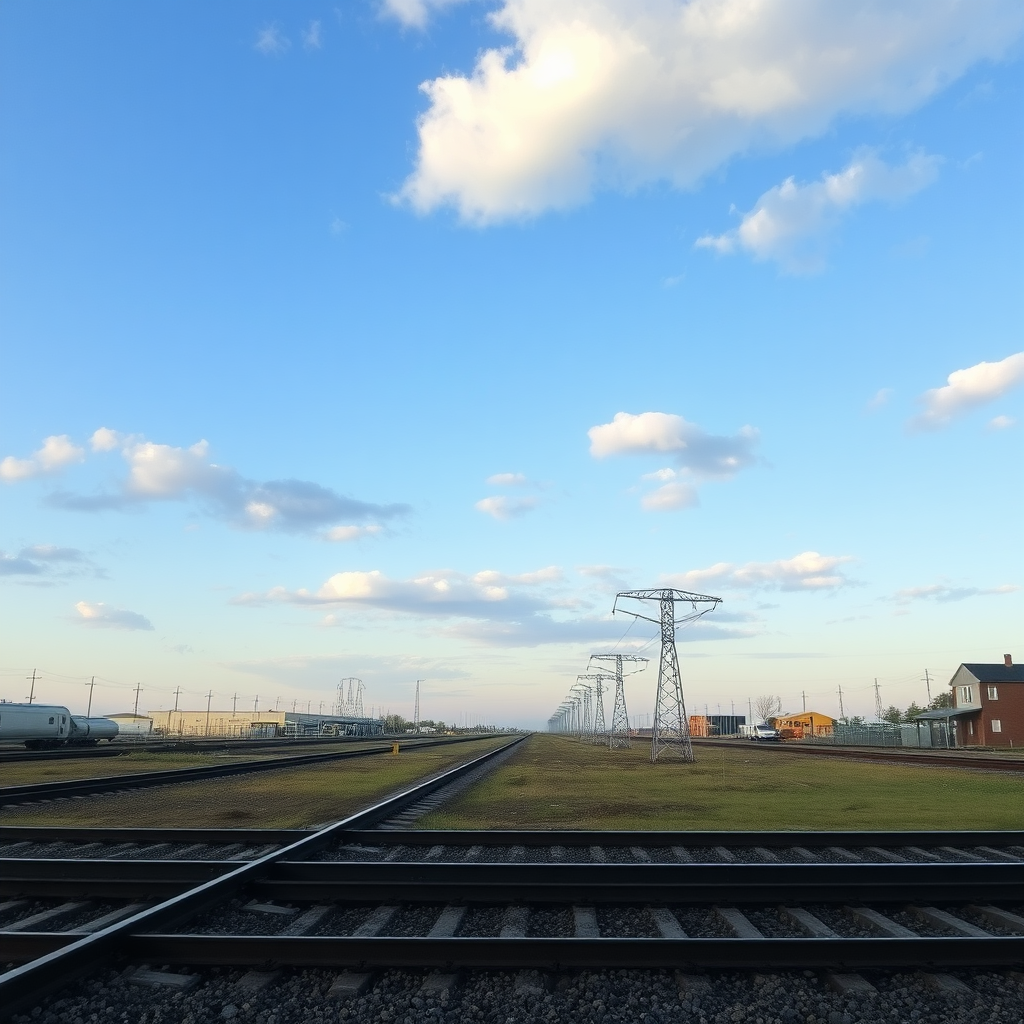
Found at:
(889, 755)
(363, 895)
(43, 791)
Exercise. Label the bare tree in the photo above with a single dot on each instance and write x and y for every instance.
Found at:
(767, 707)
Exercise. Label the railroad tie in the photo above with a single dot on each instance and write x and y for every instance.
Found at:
(474, 853)
(157, 850)
(767, 855)
(395, 853)
(10, 905)
(557, 853)
(375, 923)
(994, 854)
(349, 984)
(958, 854)
(808, 923)
(597, 855)
(307, 921)
(887, 855)
(945, 983)
(186, 852)
(850, 985)
(738, 923)
(448, 923)
(517, 853)
(641, 855)
(585, 923)
(255, 907)
(682, 854)
(916, 851)
(943, 919)
(253, 982)
(1001, 918)
(515, 924)
(725, 855)
(439, 986)
(162, 979)
(880, 923)
(48, 917)
(843, 854)
(434, 853)
(98, 923)
(802, 853)
(667, 923)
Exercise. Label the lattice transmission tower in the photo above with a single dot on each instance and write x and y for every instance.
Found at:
(598, 724)
(670, 733)
(618, 736)
(350, 696)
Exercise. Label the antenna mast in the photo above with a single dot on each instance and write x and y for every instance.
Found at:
(670, 733)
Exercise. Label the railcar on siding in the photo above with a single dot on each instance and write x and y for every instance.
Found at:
(49, 725)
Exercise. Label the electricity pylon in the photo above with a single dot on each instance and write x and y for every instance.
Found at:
(598, 726)
(671, 731)
(619, 734)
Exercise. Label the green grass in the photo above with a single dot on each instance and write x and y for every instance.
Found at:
(551, 782)
(289, 798)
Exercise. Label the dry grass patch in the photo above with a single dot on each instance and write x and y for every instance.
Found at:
(551, 782)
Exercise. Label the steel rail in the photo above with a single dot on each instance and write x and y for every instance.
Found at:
(88, 834)
(23, 984)
(561, 953)
(692, 884)
(140, 780)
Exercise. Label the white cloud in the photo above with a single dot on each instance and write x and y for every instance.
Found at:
(806, 571)
(787, 221)
(944, 593)
(162, 472)
(502, 507)
(967, 389)
(507, 480)
(101, 616)
(670, 498)
(344, 534)
(311, 38)
(47, 561)
(1001, 422)
(57, 452)
(882, 396)
(271, 41)
(616, 93)
(706, 455)
(416, 13)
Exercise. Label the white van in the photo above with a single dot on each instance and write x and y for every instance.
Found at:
(762, 732)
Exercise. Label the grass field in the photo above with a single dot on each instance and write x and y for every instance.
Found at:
(289, 798)
(552, 782)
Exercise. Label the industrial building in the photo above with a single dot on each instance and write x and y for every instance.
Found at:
(261, 724)
(804, 725)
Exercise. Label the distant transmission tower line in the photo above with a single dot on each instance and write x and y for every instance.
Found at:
(598, 725)
(670, 733)
(618, 735)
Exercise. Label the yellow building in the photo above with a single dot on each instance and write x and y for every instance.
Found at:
(807, 723)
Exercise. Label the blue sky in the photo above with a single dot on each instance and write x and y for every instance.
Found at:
(356, 350)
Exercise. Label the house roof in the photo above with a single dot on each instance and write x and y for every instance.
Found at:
(996, 673)
(946, 713)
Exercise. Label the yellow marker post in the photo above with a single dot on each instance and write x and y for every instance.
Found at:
(394, 747)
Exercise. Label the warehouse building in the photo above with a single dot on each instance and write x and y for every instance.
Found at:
(804, 725)
(260, 724)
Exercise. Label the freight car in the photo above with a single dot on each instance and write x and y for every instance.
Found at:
(47, 725)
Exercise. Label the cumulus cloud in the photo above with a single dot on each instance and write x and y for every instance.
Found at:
(47, 561)
(416, 13)
(943, 592)
(271, 42)
(507, 480)
(806, 571)
(344, 534)
(161, 472)
(502, 507)
(787, 221)
(57, 452)
(98, 615)
(1001, 422)
(967, 389)
(311, 39)
(596, 94)
(698, 454)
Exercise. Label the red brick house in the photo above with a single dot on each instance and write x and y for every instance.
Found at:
(988, 704)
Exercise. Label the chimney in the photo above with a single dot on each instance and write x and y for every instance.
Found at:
(1007, 661)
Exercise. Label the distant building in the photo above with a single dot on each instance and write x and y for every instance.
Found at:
(725, 725)
(988, 705)
(807, 723)
(129, 724)
(260, 724)
(699, 726)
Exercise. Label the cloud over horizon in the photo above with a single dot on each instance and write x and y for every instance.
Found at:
(805, 571)
(968, 389)
(97, 615)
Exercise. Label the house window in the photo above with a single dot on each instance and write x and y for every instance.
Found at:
(993, 693)
(970, 727)
(966, 696)
(997, 726)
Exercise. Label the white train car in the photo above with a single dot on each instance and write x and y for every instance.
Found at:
(49, 725)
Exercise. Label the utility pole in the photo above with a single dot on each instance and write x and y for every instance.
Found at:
(256, 704)
(670, 732)
(138, 690)
(803, 695)
(32, 692)
(234, 705)
(842, 713)
(927, 685)
(177, 693)
(209, 698)
(416, 711)
(88, 710)
(750, 712)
